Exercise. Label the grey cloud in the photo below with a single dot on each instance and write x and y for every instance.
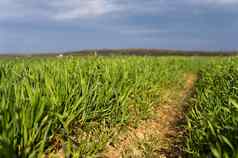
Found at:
(76, 9)
(54, 9)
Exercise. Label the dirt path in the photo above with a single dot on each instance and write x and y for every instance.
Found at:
(163, 126)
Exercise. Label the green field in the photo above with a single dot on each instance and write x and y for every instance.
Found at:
(79, 105)
(213, 120)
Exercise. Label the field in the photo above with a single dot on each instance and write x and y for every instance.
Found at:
(119, 106)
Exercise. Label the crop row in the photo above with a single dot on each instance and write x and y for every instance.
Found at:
(213, 121)
(73, 104)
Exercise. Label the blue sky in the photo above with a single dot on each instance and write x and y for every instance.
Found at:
(65, 25)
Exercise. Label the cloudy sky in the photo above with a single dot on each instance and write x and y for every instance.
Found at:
(63, 25)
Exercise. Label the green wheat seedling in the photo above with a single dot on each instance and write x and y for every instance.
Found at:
(75, 104)
(213, 121)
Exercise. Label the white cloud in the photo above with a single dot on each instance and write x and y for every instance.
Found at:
(80, 8)
(63, 10)
(55, 9)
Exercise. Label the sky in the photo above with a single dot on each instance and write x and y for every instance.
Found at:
(70, 25)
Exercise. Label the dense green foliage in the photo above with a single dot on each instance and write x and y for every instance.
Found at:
(75, 103)
(213, 121)
(78, 105)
